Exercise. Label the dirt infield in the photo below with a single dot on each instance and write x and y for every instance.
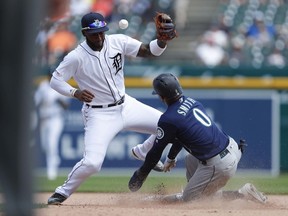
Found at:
(127, 204)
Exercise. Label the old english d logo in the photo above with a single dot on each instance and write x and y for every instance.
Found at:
(117, 62)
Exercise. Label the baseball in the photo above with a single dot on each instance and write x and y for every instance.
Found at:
(123, 24)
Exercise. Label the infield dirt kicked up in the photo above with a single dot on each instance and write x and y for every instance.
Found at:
(134, 204)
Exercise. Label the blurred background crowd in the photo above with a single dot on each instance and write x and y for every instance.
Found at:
(231, 33)
(247, 32)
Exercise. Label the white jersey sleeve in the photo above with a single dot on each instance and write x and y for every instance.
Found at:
(129, 45)
(132, 47)
(63, 73)
(67, 67)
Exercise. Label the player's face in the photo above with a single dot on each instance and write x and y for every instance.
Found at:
(95, 40)
(162, 99)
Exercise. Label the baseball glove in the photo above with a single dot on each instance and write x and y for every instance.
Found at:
(137, 180)
(165, 27)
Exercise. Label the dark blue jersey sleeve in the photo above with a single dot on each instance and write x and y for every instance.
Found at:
(168, 135)
(165, 135)
(175, 149)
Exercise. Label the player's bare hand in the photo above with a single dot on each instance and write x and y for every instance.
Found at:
(84, 95)
(169, 164)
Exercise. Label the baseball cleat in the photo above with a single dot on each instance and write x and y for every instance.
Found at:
(56, 199)
(159, 166)
(173, 198)
(153, 198)
(250, 192)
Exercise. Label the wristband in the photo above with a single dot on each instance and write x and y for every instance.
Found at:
(168, 160)
(155, 49)
(72, 92)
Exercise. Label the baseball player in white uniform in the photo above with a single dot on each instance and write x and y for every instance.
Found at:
(97, 66)
(51, 107)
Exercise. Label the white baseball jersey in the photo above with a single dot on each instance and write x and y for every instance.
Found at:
(47, 100)
(101, 73)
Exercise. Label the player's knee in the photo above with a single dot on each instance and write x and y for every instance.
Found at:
(188, 196)
(93, 166)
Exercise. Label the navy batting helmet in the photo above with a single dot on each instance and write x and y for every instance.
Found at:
(167, 85)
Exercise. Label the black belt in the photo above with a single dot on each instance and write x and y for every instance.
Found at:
(221, 155)
(121, 101)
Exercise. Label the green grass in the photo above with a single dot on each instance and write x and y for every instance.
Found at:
(119, 184)
(166, 184)
(114, 184)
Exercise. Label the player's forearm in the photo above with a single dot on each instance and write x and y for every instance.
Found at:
(152, 158)
(154, 48)
(157, 47)
(175, 149)
(162, 44)
(62, 87)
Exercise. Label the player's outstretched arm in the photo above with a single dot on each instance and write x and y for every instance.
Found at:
(154, 48)
(165, 29)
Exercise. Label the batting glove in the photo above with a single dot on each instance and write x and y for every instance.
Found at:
(169, 164)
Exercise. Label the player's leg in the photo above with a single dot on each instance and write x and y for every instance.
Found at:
(210, 178)
(98, 134)
(206, 181)
(140, 117)
(191, 164)
(248, 191)
(139, 151)
(203, 180)
(44, 140)
(44, 127)
(144, 119)
(56, 125)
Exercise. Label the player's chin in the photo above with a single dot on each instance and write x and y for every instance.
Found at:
(98, 43)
